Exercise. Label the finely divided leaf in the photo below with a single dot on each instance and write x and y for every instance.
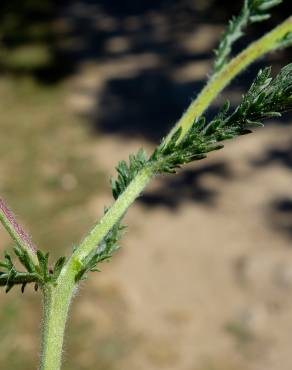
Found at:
(266, 98)
(253, 11)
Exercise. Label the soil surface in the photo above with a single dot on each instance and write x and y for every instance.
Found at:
(203, 280)
(205, 272)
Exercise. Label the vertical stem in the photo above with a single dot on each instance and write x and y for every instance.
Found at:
(56, 306)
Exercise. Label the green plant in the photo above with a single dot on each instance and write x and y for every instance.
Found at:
(190, 139)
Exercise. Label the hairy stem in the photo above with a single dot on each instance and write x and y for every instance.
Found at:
(57, 298)
(113, 215)
(221, 79)
(56, 306)
(217, 83)
(17, 233)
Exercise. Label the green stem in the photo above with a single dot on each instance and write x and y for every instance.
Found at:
(57, 298)
(17, 233)
(220, 80)
(267, 43)
(113, 215)
(56, 306)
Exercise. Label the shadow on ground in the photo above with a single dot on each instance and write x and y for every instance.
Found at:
(188, 186)
(145, 101)
(279, 155)
(280, 215)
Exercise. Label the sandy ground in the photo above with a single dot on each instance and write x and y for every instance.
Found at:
(204, 277)
(205, 270)
(207, 286)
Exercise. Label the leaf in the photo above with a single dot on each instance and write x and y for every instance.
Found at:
(253, 11)
(102, 253)
(24, 258)
(126, 172)
(43, 269)
(58, 267)
(266, 98)
(10, 277)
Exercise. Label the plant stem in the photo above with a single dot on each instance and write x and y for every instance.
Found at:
(17, 233)
(113, 215)
(220, 80)
(55, 312)
(57, 298)
(266, 43)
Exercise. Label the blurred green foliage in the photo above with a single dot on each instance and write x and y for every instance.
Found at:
(27, 38)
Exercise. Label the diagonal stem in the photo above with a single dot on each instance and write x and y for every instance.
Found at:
(17, 233)
(220, 80)
(215, 85)
(57, 298)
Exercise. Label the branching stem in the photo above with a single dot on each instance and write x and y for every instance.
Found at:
(216, 84)
(59, 292)
(57, 301)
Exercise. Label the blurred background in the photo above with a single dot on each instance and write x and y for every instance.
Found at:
(204, 278)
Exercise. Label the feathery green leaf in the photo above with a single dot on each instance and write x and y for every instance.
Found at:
(266, 98)
(252, 11)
